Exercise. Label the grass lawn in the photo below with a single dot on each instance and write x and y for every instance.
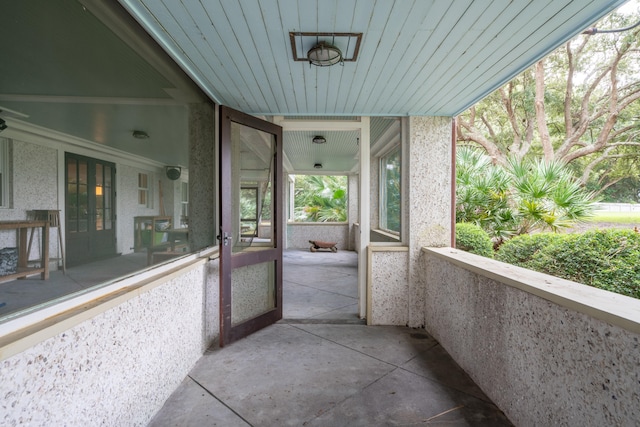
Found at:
(616, 217)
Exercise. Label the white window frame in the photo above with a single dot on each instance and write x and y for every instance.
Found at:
(144, 190)
(184, 202)
(5, 171)
(396, 149)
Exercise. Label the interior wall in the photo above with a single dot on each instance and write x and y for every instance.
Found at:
(34, 175)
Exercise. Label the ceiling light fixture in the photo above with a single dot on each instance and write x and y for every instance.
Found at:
(318, 166)
(319, 139)
(324, 55)
(140, 134)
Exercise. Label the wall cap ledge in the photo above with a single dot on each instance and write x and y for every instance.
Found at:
(615, 309)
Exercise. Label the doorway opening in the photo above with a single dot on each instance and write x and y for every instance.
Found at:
(90, 209)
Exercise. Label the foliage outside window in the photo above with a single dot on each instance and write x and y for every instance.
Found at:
(248, 210)
(143, 190)
(320, 198)
(4, 173)
(390, 191)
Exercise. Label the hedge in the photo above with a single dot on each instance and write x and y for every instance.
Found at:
(472, 238)
(606, 259)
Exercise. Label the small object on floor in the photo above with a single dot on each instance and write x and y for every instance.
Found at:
(319, 244)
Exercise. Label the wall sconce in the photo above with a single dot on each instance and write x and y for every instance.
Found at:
(318, 165)
(319, 139)
(3, 125)
(98, 190)
(173, 172)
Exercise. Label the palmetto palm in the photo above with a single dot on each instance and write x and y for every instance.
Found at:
(320, 198)
(521, 197)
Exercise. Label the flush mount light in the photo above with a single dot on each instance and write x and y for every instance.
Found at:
(318, 166)
(319, 139)
(140, 134)
(324, 55)
(325, 49)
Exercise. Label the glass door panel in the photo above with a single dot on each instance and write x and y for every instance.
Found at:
(89, 213)
(251, 224)
(253, 160)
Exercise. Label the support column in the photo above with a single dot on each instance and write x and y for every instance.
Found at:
(202, 178)
(429, 205)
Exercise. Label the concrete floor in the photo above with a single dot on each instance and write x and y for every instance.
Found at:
(322, 367)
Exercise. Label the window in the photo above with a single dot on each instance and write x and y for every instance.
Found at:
(184, 204)
(320, 198)
(143, 190)
(390, 191)
(248, 211)
(4, 173)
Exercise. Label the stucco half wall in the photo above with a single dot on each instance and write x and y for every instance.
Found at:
(547, 351)
(299, 234)
(113, 366)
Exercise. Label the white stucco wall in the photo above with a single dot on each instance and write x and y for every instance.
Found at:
(547, 351)
(429, 201)
(388, 287)
(118, 367)
(35, 186)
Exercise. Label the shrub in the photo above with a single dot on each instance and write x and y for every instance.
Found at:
(521, 249)
(471, 238)
(606, 259)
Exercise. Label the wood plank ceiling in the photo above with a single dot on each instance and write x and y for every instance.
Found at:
(422, 57)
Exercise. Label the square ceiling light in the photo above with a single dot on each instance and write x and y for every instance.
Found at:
(324, 49)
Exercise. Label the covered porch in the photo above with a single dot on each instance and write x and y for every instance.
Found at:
(137, 108)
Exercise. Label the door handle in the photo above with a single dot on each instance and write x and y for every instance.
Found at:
(225, 238)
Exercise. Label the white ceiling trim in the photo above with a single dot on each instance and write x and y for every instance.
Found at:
(89, 100)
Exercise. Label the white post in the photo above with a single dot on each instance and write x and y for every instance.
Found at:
(365, 217)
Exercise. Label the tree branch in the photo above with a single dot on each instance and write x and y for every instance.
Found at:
(541, 116)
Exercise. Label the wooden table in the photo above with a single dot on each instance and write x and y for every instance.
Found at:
(24, 270)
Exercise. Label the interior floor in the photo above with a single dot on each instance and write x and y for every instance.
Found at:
(18, 295)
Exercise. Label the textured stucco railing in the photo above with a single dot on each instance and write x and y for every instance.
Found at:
(547, 351)
(115, 360)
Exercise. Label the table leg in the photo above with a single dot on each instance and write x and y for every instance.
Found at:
(44, 262)
(23, 256)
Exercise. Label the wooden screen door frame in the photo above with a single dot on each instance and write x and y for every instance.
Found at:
(230, 260)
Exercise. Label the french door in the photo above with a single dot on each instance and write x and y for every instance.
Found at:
(250, 251)
(89, 209)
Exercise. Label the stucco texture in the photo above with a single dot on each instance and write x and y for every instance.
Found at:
(388, 289)
(115, 369)
(34, 186)
(541, 363)
(429, 203)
